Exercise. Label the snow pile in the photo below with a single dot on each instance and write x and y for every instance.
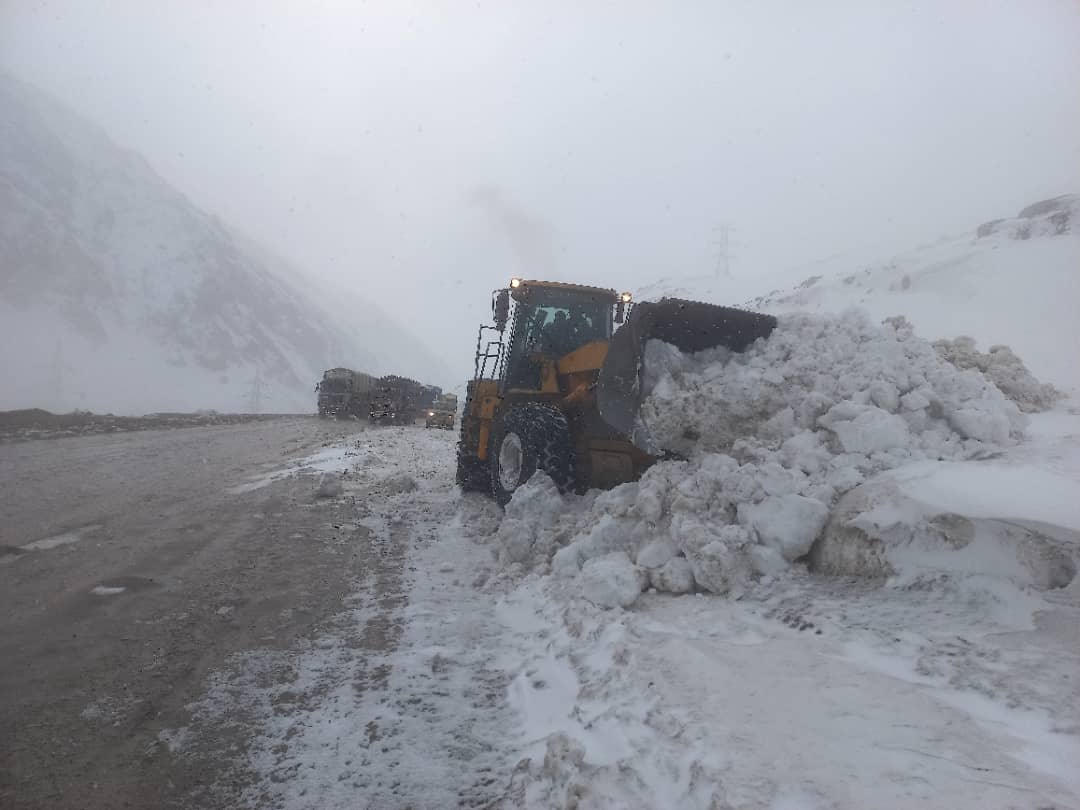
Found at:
(1015, 522)
(771, 438)
(841, 382)
(1005, 369)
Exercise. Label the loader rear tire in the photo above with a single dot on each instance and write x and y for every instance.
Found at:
(531, 436)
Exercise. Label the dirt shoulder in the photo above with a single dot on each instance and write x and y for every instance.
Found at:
(34, 423)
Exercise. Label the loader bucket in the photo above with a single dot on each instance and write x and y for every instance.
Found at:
(690, 326)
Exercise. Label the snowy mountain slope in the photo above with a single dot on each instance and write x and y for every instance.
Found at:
(117, 293)
(1012, 281)
(364, 323)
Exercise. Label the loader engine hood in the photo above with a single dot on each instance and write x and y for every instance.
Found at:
(690, 326)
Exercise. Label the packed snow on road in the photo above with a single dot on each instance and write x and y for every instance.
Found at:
(850, 584)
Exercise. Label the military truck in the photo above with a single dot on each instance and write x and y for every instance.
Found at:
(344, 392)
(429, 395)
(397, 400)
(443, 412)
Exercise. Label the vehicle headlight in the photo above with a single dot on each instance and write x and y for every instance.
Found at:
(431, 413)
(515, 283)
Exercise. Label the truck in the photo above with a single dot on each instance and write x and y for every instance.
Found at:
(344, 392)
(429, 395)
(397, 400)
(443, 412)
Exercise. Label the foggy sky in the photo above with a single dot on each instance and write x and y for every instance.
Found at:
(423, 152)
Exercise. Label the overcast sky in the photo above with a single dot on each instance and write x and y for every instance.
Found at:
(423, 152)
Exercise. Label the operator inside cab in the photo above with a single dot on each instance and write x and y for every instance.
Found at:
(551, 323)
(569, 330)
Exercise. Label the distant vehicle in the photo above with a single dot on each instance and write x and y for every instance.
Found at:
(429, 396)
(398, 400)
(443, 412)
(344, 392)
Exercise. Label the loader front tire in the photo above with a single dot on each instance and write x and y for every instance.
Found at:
(531, 436)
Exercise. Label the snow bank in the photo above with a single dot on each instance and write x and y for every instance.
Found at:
(1005, 369)
(869, 389)
(770, 439)
(1009, 522)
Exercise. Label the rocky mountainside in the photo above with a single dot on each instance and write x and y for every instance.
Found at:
(118, 293)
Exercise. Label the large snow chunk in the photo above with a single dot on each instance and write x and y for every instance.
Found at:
(527, 529)
(872, 430)
(984, 424)
(767, 561)
(537, 499)
(1007, 371)
(885, 395)
(723, 565)
(788, 524)
(608, 534)
(611, 580)
(776, 480)
(656, 553)
(675, 576)
(567, 561)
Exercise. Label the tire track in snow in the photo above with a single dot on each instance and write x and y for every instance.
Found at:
(397, 702)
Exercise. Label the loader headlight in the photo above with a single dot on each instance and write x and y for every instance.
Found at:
(431, 413)
(625, 298)
(515, 283)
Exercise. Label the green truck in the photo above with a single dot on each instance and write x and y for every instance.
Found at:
(344, 392)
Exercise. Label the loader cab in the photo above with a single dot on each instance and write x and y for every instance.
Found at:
(549, 321)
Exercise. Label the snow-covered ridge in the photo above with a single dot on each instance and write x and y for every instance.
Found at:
(1013, 282)
(118, 293)
(1053, 217)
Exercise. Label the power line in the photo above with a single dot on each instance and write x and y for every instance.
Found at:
(58, 373)
(723, 250)
(256, 393)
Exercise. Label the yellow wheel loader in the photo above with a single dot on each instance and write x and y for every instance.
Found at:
(558, 382)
